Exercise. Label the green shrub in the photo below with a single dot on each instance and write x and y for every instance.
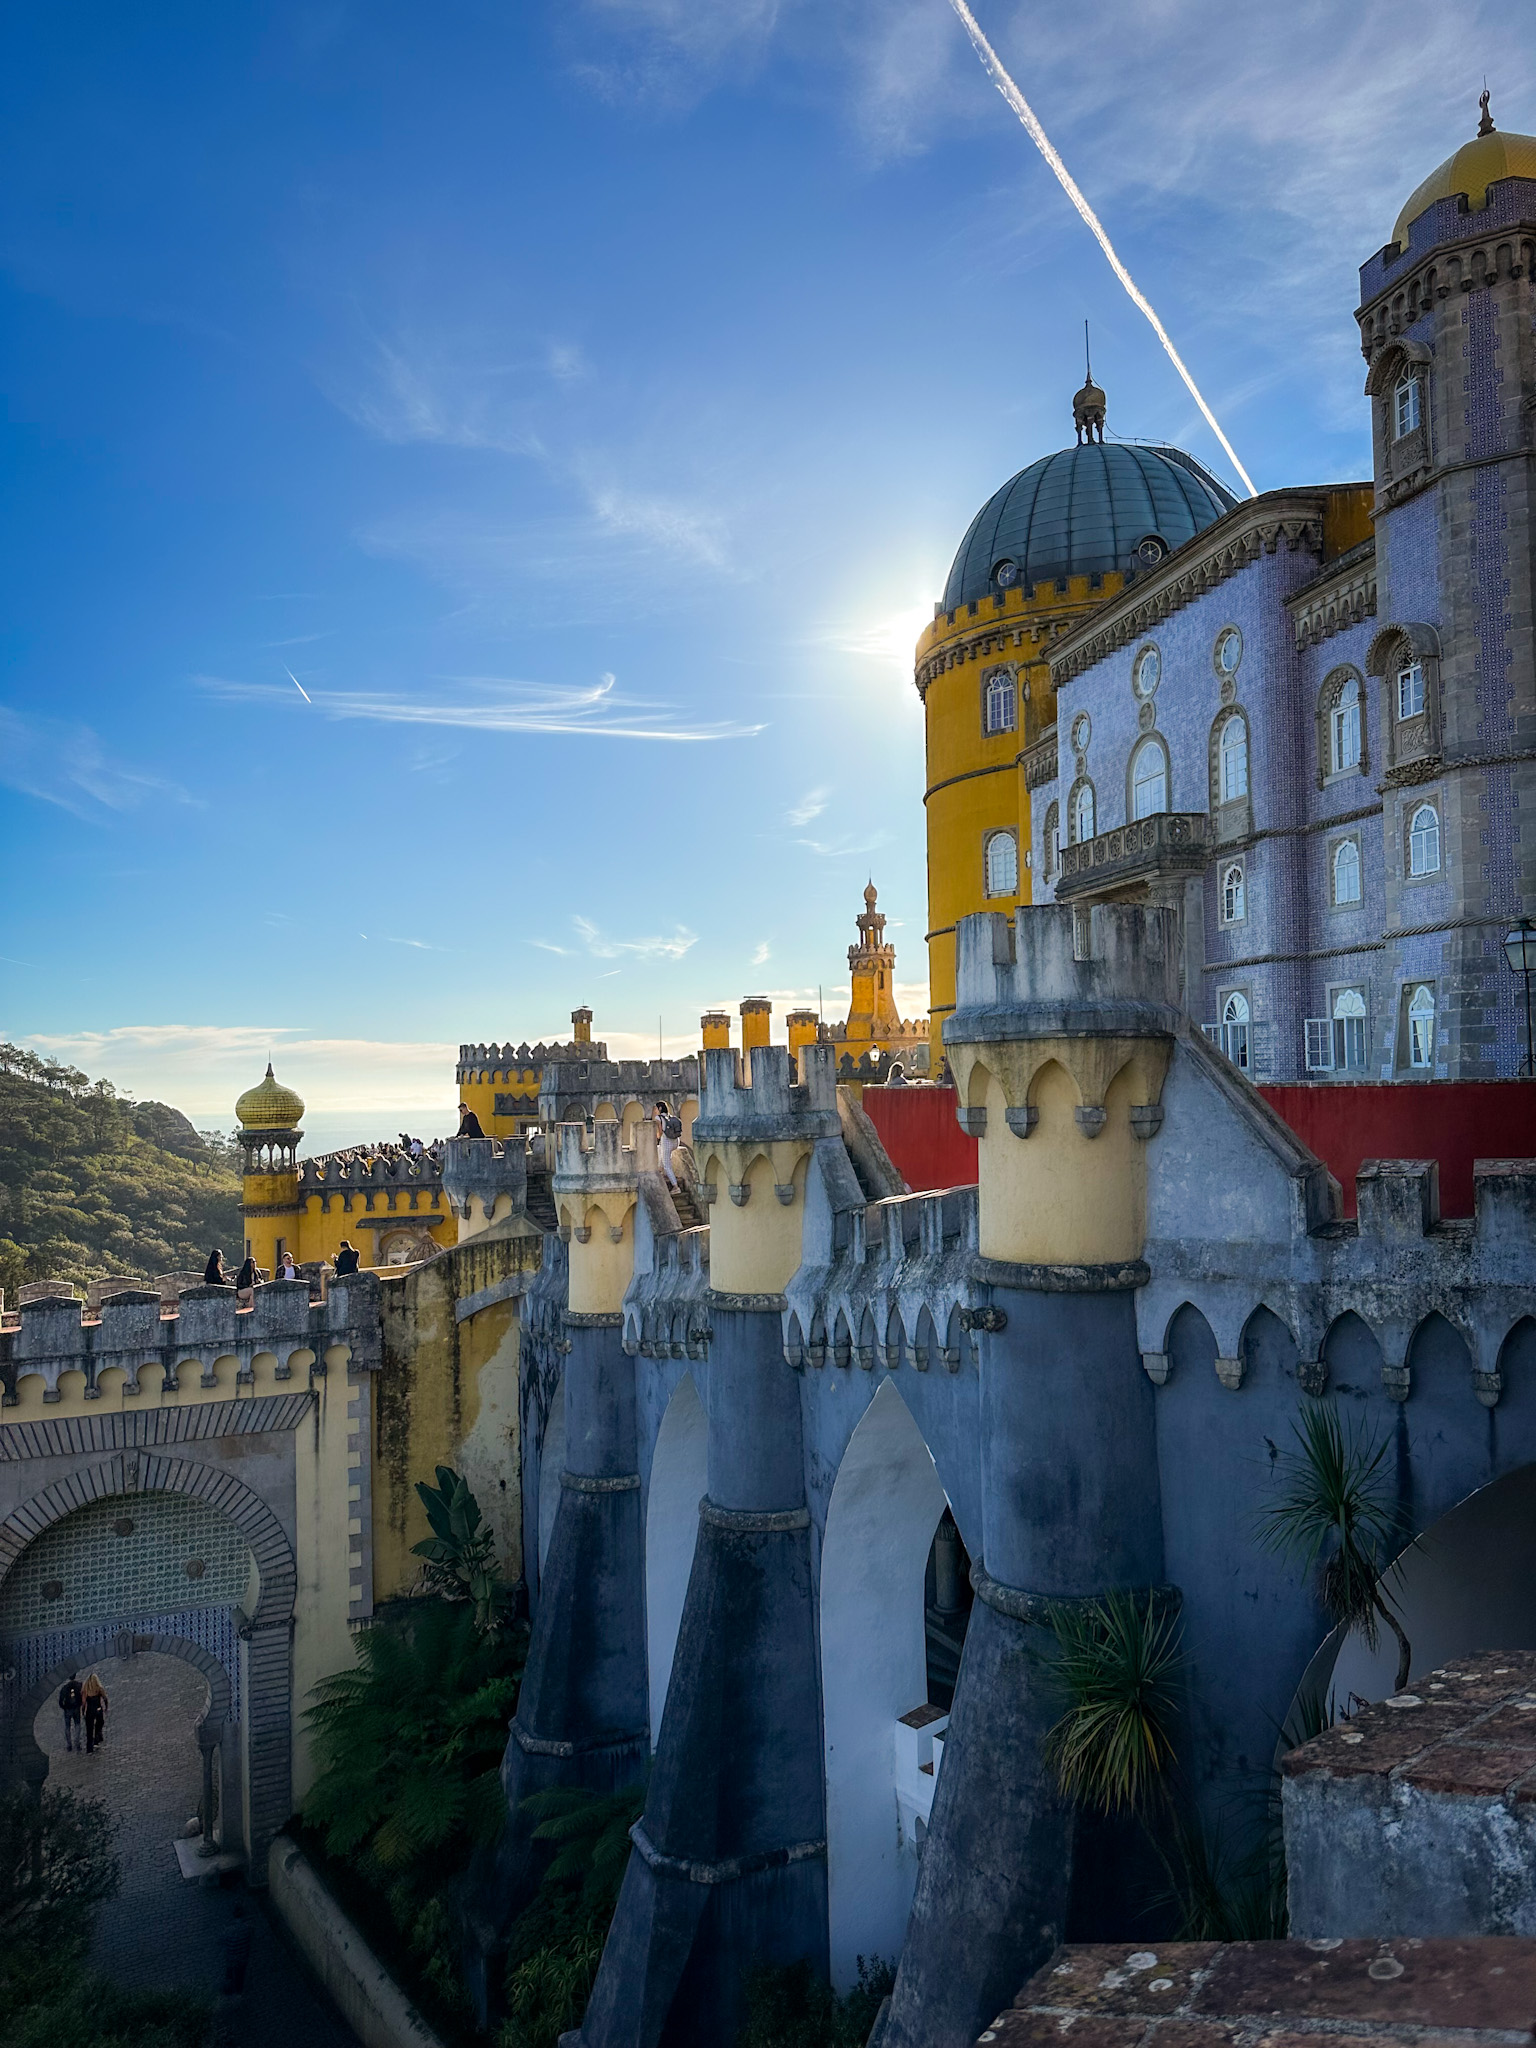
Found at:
(793, 2007)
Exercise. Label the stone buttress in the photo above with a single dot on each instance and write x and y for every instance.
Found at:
(729, 1869)
(583, 1712)
(1060, 1043)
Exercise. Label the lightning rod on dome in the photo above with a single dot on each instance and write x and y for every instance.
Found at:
(995, 70)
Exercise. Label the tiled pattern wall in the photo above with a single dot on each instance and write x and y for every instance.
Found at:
(132, 1555)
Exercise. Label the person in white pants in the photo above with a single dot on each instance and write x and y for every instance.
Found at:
(668, 1130)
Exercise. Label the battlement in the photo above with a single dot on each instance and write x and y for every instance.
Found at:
(1061, 971)
(484, 1168)
(771, 1104)
(334, 1170)
(136, 1327)
(572, 1088)
(589, 1158)
(499, 1062)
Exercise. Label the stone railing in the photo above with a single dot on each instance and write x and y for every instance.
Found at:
(1169, 842)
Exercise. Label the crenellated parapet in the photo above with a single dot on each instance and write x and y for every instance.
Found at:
(190, 1341)
(1064, 1024)
(589, 1086)
(488, 1172)
(753, 1141)
(595, 1185)
(901, 1291)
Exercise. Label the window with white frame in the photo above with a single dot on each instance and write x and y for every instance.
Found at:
(1421, 1026)
(1234, 1028)
(1083, 814)
(1002, 704)
(1346, 872)
(1410, 689)
(1149, 779)
(1234, 759)
(1002, 864)
(1336, 1043)
(1405, 407)
(1234, 894)
(1344, 729)
(1424, 841)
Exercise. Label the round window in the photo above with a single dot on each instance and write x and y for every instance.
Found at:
(1082, 732)
(1229, 651)
(1006, 573)
(1147, 672)
(1151, 550)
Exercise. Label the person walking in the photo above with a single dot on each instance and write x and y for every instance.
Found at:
(669, 1129)
(95, 1704)
(71, 1696)
(346, 1260)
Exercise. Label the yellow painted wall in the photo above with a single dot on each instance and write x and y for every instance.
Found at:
(328, 1504)
(480, 1086)
(316, 1233)
(975, 781)
(755, 1248)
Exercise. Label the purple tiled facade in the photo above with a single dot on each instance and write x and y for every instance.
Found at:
(1287, 937)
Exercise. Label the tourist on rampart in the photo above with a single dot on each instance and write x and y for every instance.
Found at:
(469, 1123)
(71, 1701)
(94, 1701)
(897, 1077)
(347, 1260)
(248, 1279)
(286, 1269)
(669, 1129)
(214, 1274)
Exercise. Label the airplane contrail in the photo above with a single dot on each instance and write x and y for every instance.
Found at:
(995, 71)
(288, 672)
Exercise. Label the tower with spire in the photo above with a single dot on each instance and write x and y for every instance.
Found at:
(874, 1023)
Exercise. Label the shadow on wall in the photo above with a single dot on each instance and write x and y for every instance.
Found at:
(551, 1465)
(679, 1479)
(1468, 1585)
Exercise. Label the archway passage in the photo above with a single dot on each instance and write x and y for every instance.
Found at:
(886, 1505)
(947, 1598)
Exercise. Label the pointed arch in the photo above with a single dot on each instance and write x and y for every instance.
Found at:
(1352, 1354)
(1267, 1348)
(1438, 1347)
(1190, 1343)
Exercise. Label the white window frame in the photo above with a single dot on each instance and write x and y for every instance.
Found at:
(1001, 704)
(1085, 796)
(1423, 842)
(1233, 1035)
(1335, 856)
(1407, 407)
(1148, 747)
(1421, 1028)
(1410, 689)
(991, 840)
(1344, 729)
(1233, 908)
(1232, 755)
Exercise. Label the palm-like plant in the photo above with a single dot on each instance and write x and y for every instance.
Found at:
(1336, 1514)
(460, 1553)
(1117, 1664)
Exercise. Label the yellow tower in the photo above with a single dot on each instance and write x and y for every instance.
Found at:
(1056, 541)
(269, 1116)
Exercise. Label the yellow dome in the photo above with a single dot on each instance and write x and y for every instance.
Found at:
(1475, 166)
(269, 1106)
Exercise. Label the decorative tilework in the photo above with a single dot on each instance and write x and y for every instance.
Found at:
(139, 1553)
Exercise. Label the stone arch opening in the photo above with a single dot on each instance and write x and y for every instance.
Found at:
(886, 1505)
(1190, 1343)
(679, 1480)
(1352, 1355)
(1267, 1348)
(1467, 1585)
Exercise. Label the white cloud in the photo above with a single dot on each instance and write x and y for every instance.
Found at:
(66, 764)
(810, 806)
(674, 528)
(501, 704)
(672, 947)
(836, 849)
(760, 956)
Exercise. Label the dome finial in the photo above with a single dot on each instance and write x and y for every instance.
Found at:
(1485, 125)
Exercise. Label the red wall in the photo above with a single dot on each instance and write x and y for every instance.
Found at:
(1452, 1121)
(918, 1130)
(1344, 1124)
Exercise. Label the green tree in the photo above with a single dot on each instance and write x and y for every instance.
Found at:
(460, 1553)
(1336, 1515)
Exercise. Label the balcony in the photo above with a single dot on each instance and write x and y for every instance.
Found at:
(1168, 845)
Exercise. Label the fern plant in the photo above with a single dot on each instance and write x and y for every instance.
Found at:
(1336, 1514)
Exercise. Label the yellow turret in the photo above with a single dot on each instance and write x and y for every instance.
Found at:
(269, 1116)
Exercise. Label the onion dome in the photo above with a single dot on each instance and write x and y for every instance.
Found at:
(1478, 164)
(1101, 506)
(269, 1106)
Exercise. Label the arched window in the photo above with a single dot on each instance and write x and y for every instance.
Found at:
(1410, 689)
(1234, 895)
(1234, 760)
(1149, 779)
(1052, 842)
(1344, 729)
(1234, 1029)
(1349, 1030)
(1001, 703)
(1421, 1026)
(1424, 841)
(1405, 407)
(1002, 864)
(1346, 872)
(1083, 814)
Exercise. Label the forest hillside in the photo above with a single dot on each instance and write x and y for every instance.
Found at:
(93, 1184)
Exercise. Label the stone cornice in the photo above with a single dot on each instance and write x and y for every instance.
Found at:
(1504, 250)
(1259, 526)
(1342, 596)
(1039, 759)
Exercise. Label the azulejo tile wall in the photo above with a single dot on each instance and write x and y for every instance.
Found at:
(134, 1554)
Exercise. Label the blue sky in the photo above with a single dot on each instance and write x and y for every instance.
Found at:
(584, 404)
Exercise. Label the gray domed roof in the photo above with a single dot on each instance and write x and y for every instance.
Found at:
(1082, 512)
